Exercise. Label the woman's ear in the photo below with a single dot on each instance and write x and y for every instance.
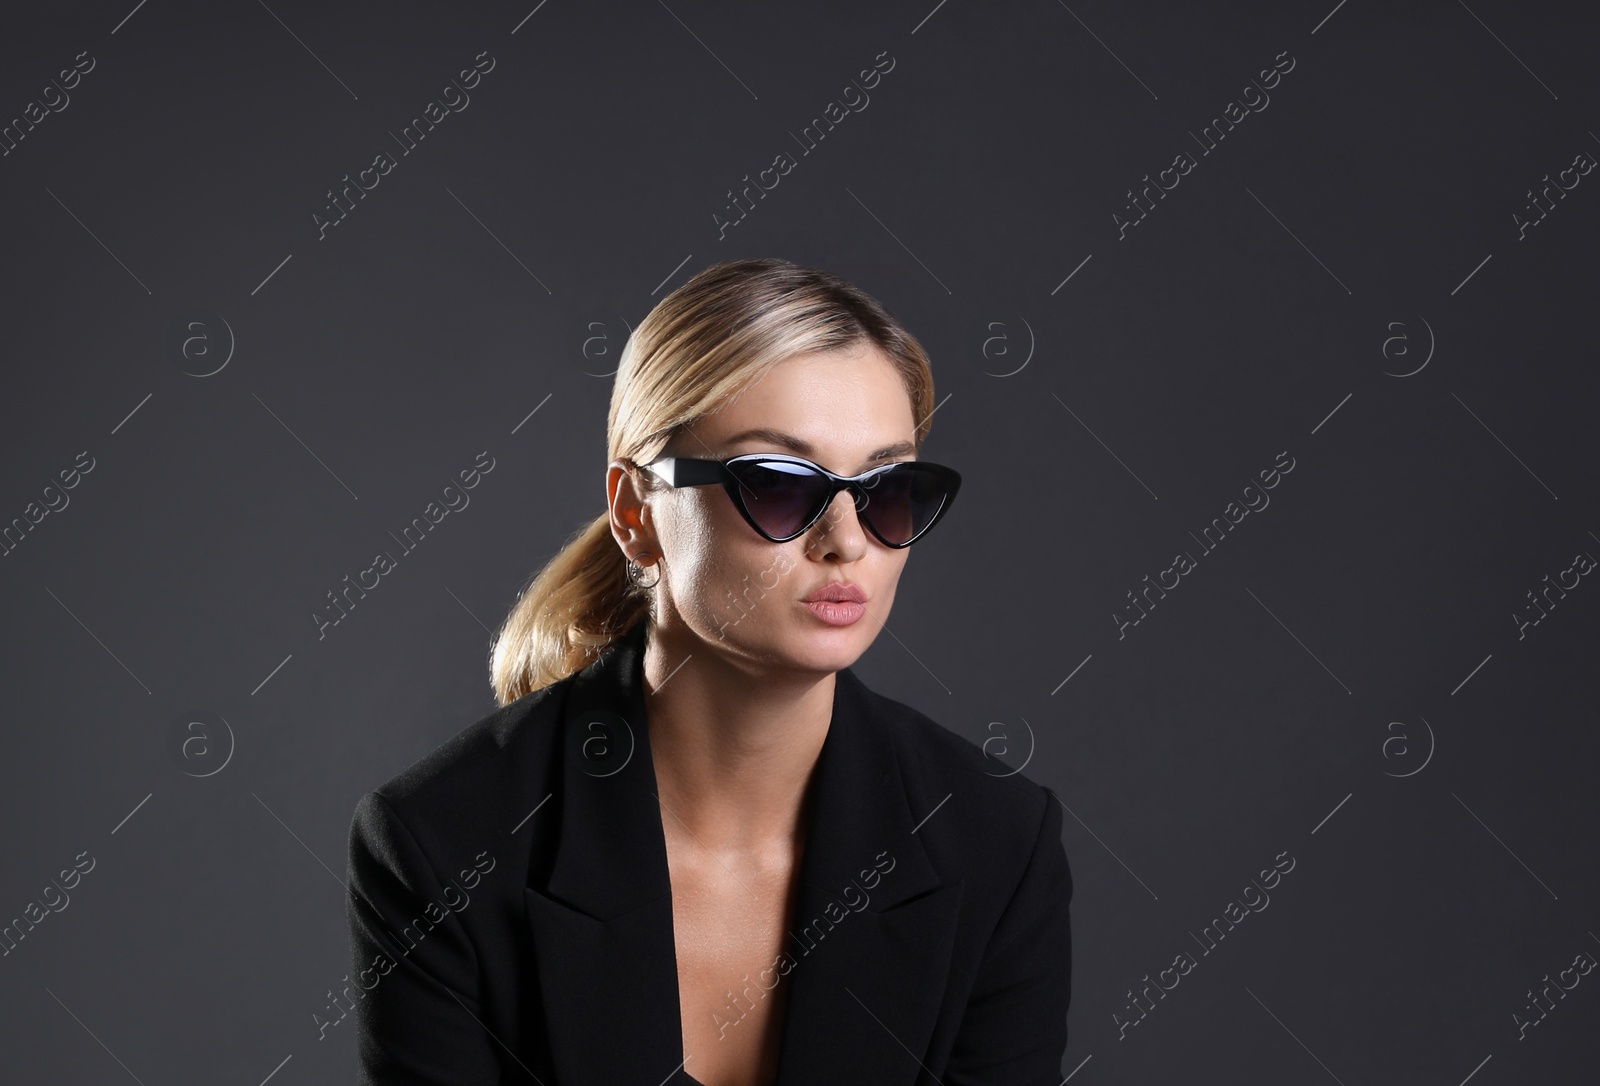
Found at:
(630, 514)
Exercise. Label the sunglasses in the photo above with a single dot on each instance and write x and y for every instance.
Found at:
(781, 496)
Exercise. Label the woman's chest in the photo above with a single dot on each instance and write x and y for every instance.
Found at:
(730, 922)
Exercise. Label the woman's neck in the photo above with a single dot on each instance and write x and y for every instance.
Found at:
(734, 746)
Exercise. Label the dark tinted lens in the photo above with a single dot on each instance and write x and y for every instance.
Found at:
(781, 496)
(903, 501)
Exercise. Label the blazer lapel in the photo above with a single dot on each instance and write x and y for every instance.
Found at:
(874, 928)
(868, 948)
(602, 924)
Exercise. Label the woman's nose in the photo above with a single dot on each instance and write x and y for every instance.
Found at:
(841, 521)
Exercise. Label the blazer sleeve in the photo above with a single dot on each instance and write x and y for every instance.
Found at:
(1015, 1026)
(416, 980)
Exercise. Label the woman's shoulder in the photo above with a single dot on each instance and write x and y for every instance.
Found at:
(985, 787)
(470, 784)
(977, 817)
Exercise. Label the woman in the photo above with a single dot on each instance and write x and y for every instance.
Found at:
(691, 847)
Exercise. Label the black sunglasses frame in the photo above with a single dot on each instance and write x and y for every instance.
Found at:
(678, 471)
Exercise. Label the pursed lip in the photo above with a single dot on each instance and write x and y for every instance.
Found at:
(837, 592)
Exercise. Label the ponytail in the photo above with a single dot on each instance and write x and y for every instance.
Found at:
(566, 618)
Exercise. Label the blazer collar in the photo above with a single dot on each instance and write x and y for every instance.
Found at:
(867, 965)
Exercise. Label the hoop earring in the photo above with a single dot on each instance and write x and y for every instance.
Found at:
(635, 570)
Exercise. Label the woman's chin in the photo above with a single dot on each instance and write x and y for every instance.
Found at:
(827, 648)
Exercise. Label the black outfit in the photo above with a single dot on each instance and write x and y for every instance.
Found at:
(511, 911)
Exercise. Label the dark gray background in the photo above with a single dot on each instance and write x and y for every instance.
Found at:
(1359, 224)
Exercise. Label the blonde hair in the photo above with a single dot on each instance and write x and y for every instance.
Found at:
(692, 354)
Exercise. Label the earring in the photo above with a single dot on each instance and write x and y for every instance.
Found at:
(635, 570)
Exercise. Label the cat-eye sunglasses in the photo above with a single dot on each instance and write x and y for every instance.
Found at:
(781, 496)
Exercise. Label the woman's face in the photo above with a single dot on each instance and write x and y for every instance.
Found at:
(739, 592)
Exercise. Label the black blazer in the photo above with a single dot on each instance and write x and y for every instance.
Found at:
(510, 908)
